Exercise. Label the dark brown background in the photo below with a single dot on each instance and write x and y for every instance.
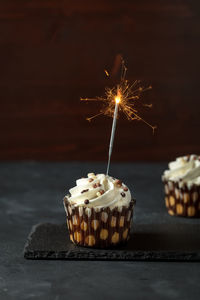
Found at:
(54, 52)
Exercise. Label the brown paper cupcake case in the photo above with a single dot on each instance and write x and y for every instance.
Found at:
(99, 228)
(181, 200)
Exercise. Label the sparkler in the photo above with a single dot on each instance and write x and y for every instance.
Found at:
(123, 98)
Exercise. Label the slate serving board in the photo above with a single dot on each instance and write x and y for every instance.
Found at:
(149, 242)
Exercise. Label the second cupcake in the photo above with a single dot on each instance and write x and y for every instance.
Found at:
(182, 186)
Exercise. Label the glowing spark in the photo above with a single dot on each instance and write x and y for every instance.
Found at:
(117, 100)
(148, 105)
(127, 96)
(106, 72)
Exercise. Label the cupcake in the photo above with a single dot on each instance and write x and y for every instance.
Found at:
(99, 211)
(182, 186)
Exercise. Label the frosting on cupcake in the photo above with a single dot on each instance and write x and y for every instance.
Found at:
(99, 191)
(185, 169)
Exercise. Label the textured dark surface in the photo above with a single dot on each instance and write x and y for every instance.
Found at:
(32, 193)
(54, 52)
(166, 242)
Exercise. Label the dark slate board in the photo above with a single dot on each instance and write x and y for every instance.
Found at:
(149, 242)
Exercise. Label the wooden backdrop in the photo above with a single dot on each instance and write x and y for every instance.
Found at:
(54, 52)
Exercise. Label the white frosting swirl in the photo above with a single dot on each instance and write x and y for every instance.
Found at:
(186, 168)
(99, 191)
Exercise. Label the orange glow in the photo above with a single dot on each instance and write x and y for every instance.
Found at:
(117, 99)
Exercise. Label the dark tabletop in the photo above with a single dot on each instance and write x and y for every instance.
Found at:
(32, 192)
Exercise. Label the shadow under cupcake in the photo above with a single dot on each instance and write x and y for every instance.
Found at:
(182, 186)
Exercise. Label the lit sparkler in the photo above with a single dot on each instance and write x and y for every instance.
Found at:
(123, 98)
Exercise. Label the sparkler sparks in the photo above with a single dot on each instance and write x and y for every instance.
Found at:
(128, 93)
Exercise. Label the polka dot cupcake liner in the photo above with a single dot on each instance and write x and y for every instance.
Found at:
(99, 228)
(181, 200)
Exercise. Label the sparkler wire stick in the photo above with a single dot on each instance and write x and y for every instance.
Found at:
(117, 100)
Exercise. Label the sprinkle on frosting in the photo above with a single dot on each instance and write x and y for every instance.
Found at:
(95, 185)
(84, 191)
(118, 182)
